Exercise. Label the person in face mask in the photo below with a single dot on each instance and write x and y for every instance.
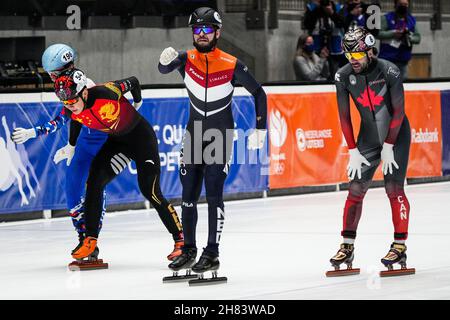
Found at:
(309, 66)
(398, 34)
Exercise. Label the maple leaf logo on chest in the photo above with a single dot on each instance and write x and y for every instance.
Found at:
(370, 99)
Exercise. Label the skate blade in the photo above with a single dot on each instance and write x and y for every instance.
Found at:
(398, 272)
(207, 281)
(87, 265)
(343, 272)
(179, 278)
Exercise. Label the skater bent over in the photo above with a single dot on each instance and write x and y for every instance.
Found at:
(130, 137)
(83, 145)
(56, 59)
(376, 88)
(209, 75)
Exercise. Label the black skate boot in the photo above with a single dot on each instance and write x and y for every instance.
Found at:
(184, 261)
(94, 255)
(92, 262)
(207, 262)
(344, 255)
(397, 254)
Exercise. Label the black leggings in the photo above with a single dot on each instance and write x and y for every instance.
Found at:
(214, 174)
(192, 177)
(140, 145)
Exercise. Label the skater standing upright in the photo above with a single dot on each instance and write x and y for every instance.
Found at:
(377, 90)
(209, 75)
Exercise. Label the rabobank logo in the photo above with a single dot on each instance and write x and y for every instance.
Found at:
(278, 129)
(424, 136)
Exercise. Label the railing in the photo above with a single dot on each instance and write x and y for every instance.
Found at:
(445, 7)
(292, 5)
(242, 5)
(417, 6)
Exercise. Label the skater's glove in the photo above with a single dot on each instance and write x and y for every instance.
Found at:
(137, 105)
(167, 56)
(355, 163)
(256, 139)
(387, 157)
(65, 152)
(20, 135)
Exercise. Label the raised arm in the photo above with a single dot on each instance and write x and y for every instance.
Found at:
(171, 60)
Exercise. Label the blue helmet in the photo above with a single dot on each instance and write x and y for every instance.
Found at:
(57, 56)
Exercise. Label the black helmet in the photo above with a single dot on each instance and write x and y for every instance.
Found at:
(205, 15)
(69, 84)
(357, 39)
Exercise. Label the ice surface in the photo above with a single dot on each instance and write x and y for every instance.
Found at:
(274, 248)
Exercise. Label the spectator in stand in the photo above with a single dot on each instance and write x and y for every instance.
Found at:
(398, 34)
(308, 66)
(354, 14)
(324, 21)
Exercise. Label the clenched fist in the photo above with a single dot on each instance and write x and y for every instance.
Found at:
(167, 56)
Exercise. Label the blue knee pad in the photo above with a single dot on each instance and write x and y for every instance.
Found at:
(88, 144)
(77, 215)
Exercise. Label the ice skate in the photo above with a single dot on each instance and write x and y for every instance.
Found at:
(207, 262)
(176, 250)
(86, 257)
(344, 255)
(184, 261)
(397, 254)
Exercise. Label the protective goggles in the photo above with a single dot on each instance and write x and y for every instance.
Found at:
(205, 29)
(54, 75)
(70, 101)
(355, 55)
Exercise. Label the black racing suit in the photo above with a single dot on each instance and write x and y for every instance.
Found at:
(379, 97)
(207, 144)
(130, 137)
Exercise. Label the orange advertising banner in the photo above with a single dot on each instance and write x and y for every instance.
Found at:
(307, 146)
(305, 135)
(424, 113)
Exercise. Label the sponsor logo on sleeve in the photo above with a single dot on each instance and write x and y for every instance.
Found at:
(337, 77)
(394, 72)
